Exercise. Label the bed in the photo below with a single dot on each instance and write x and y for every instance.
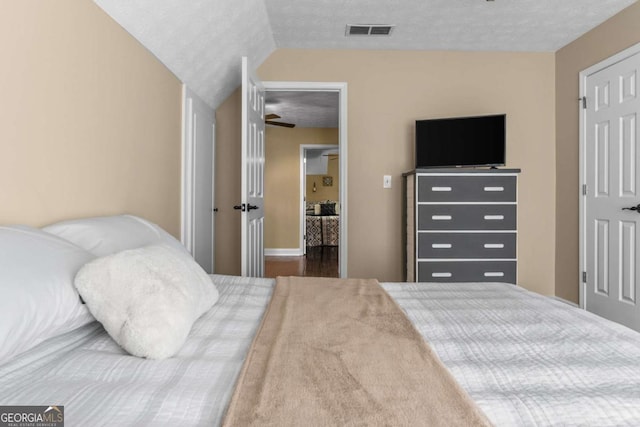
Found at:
(523, 358)
(322, 224)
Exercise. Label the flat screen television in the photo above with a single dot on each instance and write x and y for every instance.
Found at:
(461, 141)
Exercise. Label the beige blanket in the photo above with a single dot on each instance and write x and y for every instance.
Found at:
(341, 352)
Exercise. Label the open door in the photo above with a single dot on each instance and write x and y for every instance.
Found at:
(252, 186)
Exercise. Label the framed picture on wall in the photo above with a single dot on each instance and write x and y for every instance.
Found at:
(327, 181)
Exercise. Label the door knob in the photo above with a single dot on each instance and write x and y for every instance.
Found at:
(250, 207)
(240, 207)
(633, 208)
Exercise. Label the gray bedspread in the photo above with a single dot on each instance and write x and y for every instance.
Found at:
(525, 359)
(99, 384)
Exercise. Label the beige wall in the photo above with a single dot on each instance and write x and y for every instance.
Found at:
(388, 91)
(616, 34)
(89, 119)
(282, 181)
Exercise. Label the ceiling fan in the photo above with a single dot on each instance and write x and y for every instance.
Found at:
(269, 120)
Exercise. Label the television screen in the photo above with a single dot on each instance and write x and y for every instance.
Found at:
(461, 141)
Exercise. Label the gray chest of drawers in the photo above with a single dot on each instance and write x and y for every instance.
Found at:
(461, 225)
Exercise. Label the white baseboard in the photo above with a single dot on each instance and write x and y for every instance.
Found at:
(283, 252)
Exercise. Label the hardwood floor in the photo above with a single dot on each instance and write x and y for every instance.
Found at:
(320, 261)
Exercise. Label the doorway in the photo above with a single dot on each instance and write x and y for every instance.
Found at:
(319, 196)
(320, 209)
(305, 127)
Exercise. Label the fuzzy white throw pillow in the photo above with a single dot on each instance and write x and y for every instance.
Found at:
(147, 298)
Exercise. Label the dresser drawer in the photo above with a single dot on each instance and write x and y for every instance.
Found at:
(466, 245)
(467, 271)
(445, 188)
(467, 217)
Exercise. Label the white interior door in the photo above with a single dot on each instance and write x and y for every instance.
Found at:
(612, 177)
(198, 216)
(252, 204)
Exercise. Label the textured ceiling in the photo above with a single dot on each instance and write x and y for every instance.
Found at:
(304, 109)
(202, 41)
(500, 25)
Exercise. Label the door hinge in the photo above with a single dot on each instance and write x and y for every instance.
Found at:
(585, 189)
(584, 102)
(584, 277)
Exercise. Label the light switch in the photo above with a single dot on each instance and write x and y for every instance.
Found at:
(386, 181)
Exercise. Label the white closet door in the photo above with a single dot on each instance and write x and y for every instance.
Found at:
(198, 175)
(612, 173)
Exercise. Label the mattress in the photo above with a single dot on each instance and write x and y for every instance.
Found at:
(525, 359)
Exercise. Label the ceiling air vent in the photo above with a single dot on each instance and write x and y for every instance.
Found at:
(369, 30)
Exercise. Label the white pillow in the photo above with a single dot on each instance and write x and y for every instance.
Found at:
(147, 298)
(107, 235)
(37, 297)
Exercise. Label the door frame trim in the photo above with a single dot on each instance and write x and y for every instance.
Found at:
(583, 76)
(341, 88)
(187, 188)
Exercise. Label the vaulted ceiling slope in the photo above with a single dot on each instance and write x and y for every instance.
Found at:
(201, 41)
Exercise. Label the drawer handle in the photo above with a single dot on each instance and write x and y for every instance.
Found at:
(441, 274)
(440, 188)
(494, 245)
(494, 274)
(441, 217)
(493, 188)
(494, 217)
(441, 245)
